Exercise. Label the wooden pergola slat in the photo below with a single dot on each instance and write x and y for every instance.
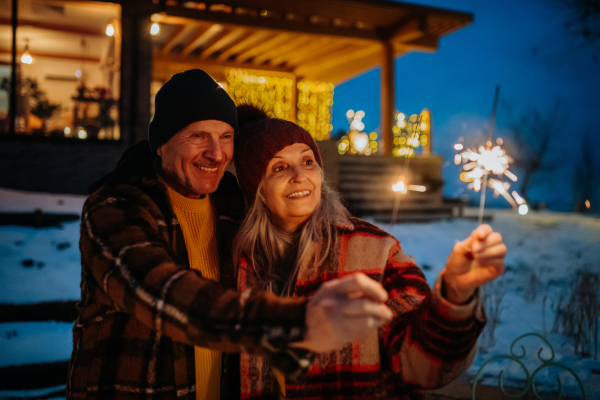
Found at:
(225, 41)
(314, 40)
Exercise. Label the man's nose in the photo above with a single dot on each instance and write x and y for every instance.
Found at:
(214, 151)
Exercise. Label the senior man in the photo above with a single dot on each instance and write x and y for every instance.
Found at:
(158, 318)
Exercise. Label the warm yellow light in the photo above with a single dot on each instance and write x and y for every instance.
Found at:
(361, 141)
(523, 209)
(155, 29)
(110, 30)
(587, 204)
(458, 146)
(423, 126)
(457, 159)
(399, 187)
(67, 131)
(26, 57)
(417, 188)
(518, 198)
(510, 175)
(81, 133)
(78, 73)
(464, 176)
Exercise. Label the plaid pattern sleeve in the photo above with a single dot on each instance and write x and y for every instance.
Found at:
(430, 341)
(125, 244)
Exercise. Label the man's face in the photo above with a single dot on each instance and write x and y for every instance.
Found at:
(194, 160)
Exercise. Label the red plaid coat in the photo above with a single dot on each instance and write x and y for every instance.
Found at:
(428, 343)
(143, 309)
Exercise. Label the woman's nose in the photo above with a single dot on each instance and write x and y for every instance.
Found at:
(298, 173)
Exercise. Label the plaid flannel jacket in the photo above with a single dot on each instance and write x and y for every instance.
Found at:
(428, 343)
(143, 309)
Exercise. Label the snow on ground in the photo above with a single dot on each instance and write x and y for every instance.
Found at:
(544, 252)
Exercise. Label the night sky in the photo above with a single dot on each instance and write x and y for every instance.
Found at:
(541, 66)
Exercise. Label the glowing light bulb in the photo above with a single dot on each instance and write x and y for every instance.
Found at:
(155, 29)
(110, 30)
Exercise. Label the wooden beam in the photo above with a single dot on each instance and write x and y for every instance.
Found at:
(281, 57)
(315, 49)
(188, 63)
(388, 98)
(54, 55)
(255, 50)
(270, 23)
(202, 39)
(337, 56)
(423, 45)
(345, 55)
(413, 28)
(291, 45)
(243, 44)
(225, 41)
(54, 27)
(183, 31)
(347, 71)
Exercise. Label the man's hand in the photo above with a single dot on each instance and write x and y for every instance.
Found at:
(475, 261)
(343, 310)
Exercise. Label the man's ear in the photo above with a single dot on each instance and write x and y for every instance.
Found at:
(159, 151)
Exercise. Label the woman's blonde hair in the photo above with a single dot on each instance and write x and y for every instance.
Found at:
(264, 246)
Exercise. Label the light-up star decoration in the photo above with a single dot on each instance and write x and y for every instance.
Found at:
(479, 168)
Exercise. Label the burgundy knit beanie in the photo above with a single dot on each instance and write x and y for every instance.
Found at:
(260, 138)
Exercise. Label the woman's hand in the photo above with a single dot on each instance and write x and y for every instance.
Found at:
(475, 261)
(343, 310)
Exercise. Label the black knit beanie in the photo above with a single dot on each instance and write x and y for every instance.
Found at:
(189, 97)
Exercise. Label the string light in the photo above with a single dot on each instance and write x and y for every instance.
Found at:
(314, 108)
(410, 132)
(271, 92)
(275, 94)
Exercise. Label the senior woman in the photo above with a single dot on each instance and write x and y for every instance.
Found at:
(297, 235)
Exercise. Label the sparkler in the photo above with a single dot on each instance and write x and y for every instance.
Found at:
(489, 160)
(401, 187)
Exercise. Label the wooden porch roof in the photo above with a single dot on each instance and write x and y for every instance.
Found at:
(318, 40)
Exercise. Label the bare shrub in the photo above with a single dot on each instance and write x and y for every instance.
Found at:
(578, 313)
(493, 293)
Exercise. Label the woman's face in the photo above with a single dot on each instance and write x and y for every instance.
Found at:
(292, 186)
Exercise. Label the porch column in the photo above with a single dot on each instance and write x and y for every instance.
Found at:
(388, 99)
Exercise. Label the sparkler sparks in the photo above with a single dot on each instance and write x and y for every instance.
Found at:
(479, 165)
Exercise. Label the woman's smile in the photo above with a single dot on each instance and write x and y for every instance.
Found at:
(298, 194)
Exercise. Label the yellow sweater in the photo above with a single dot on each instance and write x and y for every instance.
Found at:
(198, 223)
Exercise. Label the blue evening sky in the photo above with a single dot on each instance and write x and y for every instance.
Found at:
(522, 46)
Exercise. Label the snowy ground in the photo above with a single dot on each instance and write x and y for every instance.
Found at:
(545, 251)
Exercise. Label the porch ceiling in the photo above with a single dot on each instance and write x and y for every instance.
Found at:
(319, 40)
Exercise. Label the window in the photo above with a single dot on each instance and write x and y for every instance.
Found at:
(68, 70)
